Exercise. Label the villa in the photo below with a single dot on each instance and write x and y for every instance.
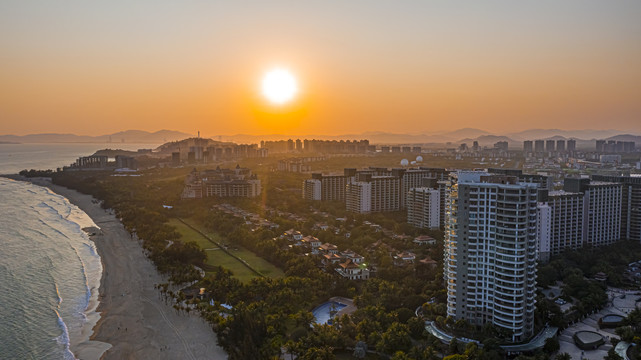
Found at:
(294, 235)
(404, 258)
(351, 255)
(328, 248)
(424, 240)
(332, 258)
(353, 271)
(312, 243)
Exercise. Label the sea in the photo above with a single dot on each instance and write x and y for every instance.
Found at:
(49, 268)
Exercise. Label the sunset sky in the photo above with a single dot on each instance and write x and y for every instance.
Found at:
(89, 67)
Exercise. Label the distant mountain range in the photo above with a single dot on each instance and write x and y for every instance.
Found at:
(129, 136)
(467, 135)
(450, 138)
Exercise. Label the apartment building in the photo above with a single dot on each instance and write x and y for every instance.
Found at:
(238, 182)
(567, 221)
(601, 209)
(373, 194)
(424, 207)
(630, 204)
(490, 252)
(327, 187)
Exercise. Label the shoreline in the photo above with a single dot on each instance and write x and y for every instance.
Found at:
(127, 299)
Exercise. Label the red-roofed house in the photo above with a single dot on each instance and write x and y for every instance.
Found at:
(353, 271)
(424, 240)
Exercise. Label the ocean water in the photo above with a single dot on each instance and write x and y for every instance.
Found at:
(49, 268)
(16, 157)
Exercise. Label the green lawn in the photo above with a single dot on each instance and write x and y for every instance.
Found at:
(217, 257)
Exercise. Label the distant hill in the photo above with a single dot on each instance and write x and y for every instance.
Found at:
(626, 137)
(129, 136)
(467, 135)
(464, 133)
(553, 134)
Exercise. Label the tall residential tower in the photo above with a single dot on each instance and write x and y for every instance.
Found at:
(490, 252)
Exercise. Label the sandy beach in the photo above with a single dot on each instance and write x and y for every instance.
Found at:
(135, 323)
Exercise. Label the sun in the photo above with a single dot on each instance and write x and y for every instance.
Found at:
(279, 86)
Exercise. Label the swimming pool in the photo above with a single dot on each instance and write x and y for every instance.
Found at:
(324, 312)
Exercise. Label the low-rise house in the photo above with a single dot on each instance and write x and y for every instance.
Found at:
(328, 248)
(294, 235)
(429, 262)
(321, 226)
(332, 259)
(424, 240)
(353, 271)
(311, 243)
(404, 258)
(351, 255)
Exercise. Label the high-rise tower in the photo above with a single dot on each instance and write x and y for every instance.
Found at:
(490, 252)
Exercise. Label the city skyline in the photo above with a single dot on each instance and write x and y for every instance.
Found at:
(363, 66)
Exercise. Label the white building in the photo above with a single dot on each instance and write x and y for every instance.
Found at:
(373, 194)
(424, 208)
(353, 271)
(601, 209)
(543, 231)
(567, 219)
(359, 197)
(327, 187)
(490, 252)
(312, 189)
(604, 213)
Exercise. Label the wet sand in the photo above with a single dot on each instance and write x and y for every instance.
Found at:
(135, 323)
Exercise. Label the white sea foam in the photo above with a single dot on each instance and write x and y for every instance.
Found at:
(34, 257)
(63, 339)
(73, 220)
(71, 212)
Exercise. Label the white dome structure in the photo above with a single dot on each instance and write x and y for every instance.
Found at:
(419, 158)
(404, 162)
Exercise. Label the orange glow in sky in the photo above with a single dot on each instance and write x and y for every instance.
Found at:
(94, 68)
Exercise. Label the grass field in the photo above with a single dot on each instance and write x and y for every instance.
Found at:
(217, 257)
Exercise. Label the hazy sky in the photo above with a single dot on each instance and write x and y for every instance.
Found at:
(92, 67)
